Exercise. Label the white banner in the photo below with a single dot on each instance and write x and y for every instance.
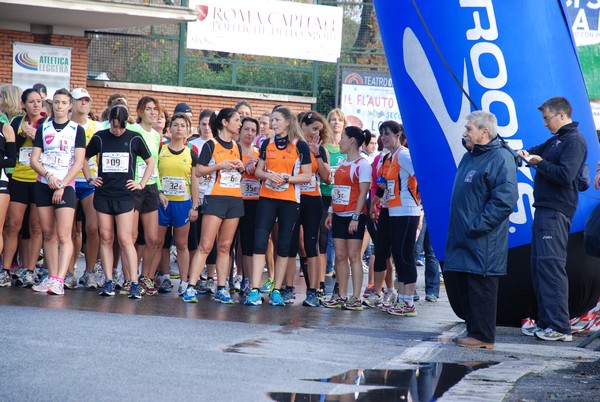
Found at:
(49, 65)
(368, 99)
(267, 28)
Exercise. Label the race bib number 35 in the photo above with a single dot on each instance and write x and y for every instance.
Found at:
(115, 162)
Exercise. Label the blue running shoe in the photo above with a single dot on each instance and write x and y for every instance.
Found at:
(189, 296)
(311, 299)
(223, 296)
(288, 295)
(134, 291)
(254, 298)
(267, 287)
(276, 299)
(245, 286)
(108, 289)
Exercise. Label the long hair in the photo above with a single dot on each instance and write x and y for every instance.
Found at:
(141, 106)
(293, 131)
(12, 96)
(311, 117)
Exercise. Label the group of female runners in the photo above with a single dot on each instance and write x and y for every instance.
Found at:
(296, 181)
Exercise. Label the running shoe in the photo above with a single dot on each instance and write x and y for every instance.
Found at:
(118, 278)
(165, 286)
(373, 301)
(365, 267)
(416, 296)
(70, 281)
(18, 276)
(44, 286)
(28, 279)
(529, 327)
(56, 288)
(352, 303)
(237, 283)
(126, 288)
(201, 286)
(183, 285)
(311, 299)
(189, 296)
(245, 286)
(223, 296)
(288, 294)
(336, 301)
(87, 280)
(549, 334)
(403, 311)
(99, 276)
(267, 287)
(254, 298)
(390, 297)
(211, 286)
(40, 274)
(321, 293)
(135, 291)
(369, 290)
(5, 279)
(431, 298)
(147, 284)
(108, 289)
(275, 298)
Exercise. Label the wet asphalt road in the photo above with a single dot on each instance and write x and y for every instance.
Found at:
(85, 347)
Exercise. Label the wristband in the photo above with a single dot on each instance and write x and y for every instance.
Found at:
(90, 180)
(355, 217)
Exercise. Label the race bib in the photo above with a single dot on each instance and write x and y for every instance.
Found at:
(283, 187)
(115, 162)
(141, 169)
(230, 178)
(25, 155)
(174, 186)
(332, 170)
(391, 185)
(250, 188)
(56, 159)
(310, 186)
(340, 195)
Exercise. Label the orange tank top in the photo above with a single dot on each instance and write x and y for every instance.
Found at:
(224, 182)
(346, 188)
(284, 161)
(250, 184)
(312, 189)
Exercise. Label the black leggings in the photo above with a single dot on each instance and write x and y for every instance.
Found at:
(286, 214)
(246, 227)
(324, 232)
(396, 236)
(310, 219)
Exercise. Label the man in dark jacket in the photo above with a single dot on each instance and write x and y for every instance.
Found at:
(558, 162)
(483, 197)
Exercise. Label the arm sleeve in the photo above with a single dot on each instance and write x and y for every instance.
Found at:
(38, 141)
(303, 152)
(80, 138)
(323, 154)
(206, 153)
(92, 148)
(405, 161)
(141, 149)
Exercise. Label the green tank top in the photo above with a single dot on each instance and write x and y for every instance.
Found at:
(335, 156)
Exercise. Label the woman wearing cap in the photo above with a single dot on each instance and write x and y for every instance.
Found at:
(21, 193)
(57, 155)
(117, 149)
(347, 217)
(284, 163)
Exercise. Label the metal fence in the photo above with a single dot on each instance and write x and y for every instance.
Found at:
(158, 55)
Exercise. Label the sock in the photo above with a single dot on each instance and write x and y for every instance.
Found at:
(220, 288)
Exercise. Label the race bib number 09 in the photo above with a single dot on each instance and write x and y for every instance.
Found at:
(115, 162)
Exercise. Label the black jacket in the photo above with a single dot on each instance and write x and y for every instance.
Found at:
(554, 184)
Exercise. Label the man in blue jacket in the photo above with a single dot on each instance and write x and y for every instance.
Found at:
(483, 197)
(558, 162)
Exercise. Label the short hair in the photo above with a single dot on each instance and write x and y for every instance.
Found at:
(482, 119)
(113, 97)
(41, 88)
(251, 120)
(12, 96)
(204, 114)
(183, 116)
(361, 136)
(243, 103)
(556, 105)
(339, 113)
(63, 91)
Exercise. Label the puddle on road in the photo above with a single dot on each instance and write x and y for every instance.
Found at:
(426, 382)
